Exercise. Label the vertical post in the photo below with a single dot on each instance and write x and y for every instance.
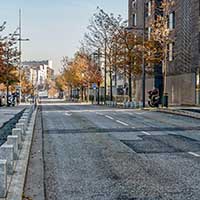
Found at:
(20, 57)
(99, 70)
(130, 82)
(82, 93)
(111, 93)
(143, 61)
(98, 94)
(105, 70)
(7, 81)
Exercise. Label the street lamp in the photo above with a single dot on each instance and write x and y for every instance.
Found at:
(20, 39)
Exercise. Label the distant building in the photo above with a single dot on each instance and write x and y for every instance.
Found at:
(183, 67)
(38, 72)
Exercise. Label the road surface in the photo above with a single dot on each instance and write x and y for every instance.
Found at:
(99, 153)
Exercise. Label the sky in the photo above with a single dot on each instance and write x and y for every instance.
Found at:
(54, 27)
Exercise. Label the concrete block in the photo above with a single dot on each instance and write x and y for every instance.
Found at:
(127, 105)
(124, 104)
(132, 105)
(7, 153)
(140, 104)
(3, 178)
(13, 140)
(18, 132)
(26, 119)
(23, 121)
(25, 114)
(22, 126)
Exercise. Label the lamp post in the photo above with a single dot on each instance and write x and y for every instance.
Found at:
(105, 69)
(20, 53)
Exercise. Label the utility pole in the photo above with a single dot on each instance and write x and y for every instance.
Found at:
(105, 70)
(98, 84)
(20, 54)
(20, 57)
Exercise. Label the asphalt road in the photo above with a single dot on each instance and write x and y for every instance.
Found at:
(99, 153)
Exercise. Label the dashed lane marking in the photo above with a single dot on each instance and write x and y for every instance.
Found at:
(146, 133)
(109, 117)
(120, 122)
(194, 154)
(68, 114)
(99, 114)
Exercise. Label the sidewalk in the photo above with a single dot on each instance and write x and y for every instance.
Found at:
(7, 113)
(192, 111)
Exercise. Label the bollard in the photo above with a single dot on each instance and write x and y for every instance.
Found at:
(23, 121)
(26, 120)
(140, 104)
(18, 132)
(127, 105)
(13, 140)
(132, 104)
(7, 153)
(3, 178)
(22, 126)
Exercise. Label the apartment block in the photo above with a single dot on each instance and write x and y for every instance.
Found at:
(183, 62)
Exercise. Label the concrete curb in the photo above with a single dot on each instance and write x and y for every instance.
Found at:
(16, 185)
(179, 112)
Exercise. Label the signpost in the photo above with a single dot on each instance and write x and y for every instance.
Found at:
(94, 86)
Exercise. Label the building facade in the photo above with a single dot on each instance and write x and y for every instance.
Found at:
(183, 61)
(38, 72)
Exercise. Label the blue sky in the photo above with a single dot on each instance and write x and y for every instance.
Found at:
(54, 27)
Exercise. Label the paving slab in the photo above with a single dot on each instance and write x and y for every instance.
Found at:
(7, 113)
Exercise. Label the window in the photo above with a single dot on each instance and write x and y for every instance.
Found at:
(172, 20)
(134, 20)
(133, 4)
(149, 33)
(171, 51)
(149, 8)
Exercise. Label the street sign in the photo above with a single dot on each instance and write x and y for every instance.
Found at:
(94, 86)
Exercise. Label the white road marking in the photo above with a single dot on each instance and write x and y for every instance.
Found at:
(109, 117)
(146, 133)
(140, 113)
(68, 114)
(133, 127)
(194, 154)
(120, 122)
(99, 114)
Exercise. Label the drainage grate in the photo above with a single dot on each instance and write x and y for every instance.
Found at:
(163, 144)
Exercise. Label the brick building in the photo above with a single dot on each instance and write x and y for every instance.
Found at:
(184, 52)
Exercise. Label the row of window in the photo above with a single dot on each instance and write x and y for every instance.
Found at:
(171, 20)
